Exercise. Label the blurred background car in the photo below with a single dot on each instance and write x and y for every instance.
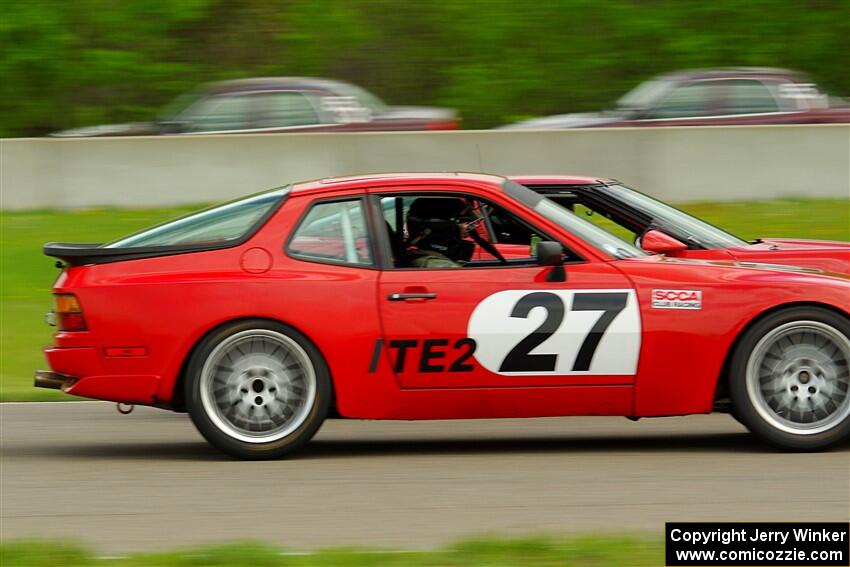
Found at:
(745, 95)
(278, 104)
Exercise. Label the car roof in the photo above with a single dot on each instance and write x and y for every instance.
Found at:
(355, 182)
(276, 83)
(558, 180)
(733, 73)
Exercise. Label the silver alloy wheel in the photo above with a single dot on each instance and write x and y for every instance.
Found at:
(797, 377)
(258, 386)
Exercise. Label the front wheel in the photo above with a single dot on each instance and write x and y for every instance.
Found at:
(790, 379)
(257, 389)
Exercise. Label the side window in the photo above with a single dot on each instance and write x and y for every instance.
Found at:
(691, 99)
(455, 231)
(284, 109)
(334, 232)
(747, 96)
(218, 113)
(506, 228)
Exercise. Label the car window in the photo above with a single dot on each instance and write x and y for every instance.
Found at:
(218, 113)
(643, 95)
(284, 110)
(456, 231)
(745, 96)
(334, 231)
(220, 224)
(507, 228)
(691, 99)
(571, 222)
(681, 224)
(363, 97)
(597, 217)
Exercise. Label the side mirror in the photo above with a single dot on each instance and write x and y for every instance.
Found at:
(550, 253)
(660, 242)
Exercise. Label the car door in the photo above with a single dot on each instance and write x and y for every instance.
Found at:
(501, 325)
(693, 103)
(214, 114)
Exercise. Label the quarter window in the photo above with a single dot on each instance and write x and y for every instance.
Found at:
(748, 97)
(217, 225)
(333, 232)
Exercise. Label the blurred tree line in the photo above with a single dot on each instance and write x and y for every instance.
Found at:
(67, 63)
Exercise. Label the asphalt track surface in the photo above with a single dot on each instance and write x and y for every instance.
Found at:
(148, 481)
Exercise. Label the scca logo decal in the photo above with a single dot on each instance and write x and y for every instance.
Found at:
(527, 332)
(676, 299)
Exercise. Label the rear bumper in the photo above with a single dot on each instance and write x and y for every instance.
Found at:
(53, 380)
(80, 372)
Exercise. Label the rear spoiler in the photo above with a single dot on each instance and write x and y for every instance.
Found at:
(79, 254)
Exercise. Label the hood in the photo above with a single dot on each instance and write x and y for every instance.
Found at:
(819, 254)
(786, 268)
(741, 285)
(799, 244)
(558, 121)
(129, 129)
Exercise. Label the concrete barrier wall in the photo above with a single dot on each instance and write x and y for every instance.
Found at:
(678, 164)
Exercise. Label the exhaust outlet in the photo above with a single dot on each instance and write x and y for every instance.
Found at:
(52, 380)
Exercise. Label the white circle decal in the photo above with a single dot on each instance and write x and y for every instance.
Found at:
(556, 332)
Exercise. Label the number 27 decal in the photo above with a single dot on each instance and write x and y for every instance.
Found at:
(557, 332)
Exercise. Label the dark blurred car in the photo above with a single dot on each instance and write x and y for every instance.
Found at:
(279, 104)
(711, 97)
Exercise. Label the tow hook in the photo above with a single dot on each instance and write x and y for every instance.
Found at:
(124, 409)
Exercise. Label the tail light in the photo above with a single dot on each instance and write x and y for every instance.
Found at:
(69, 314)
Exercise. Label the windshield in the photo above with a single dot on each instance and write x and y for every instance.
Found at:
(586, 230)
(643, 95)
(173, 109)
(216, 225)
(681, 223)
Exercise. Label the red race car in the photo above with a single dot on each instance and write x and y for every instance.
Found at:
(658, 227)
(388, 297)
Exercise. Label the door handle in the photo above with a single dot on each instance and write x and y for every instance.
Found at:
(406, 296)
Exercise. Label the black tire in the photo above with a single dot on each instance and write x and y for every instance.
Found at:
(231, 428)
(766, 385)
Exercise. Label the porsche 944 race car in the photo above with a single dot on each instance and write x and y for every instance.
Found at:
(658, 227)
(391, 297)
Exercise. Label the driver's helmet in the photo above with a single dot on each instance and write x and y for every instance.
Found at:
(434, 223)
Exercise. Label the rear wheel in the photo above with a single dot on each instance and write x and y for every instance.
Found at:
(257, 389)
(790, 379)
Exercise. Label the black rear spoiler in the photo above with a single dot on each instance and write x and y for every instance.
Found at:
(79, 254)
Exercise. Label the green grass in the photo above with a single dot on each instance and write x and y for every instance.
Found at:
(26, 275)
(578, 551)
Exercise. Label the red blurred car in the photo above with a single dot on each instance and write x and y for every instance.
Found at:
(368, 298)
(658, 227)
(712, 97)
(279, 104)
